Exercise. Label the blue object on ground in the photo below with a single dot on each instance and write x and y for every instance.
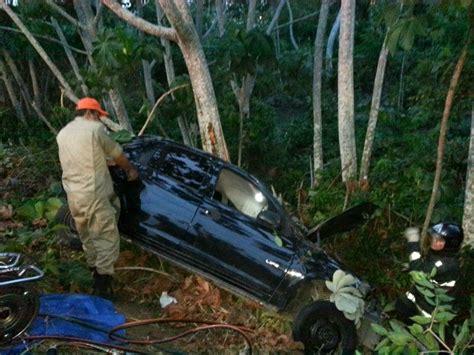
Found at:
(98, 312)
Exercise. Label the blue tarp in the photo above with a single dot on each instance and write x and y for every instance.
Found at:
(93, 310)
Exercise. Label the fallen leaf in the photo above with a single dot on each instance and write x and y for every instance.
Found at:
(40, 222)
(6, 212)
(5, 225)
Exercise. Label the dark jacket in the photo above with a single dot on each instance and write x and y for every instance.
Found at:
(447, 271)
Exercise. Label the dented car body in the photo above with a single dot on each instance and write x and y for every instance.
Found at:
(217, 220)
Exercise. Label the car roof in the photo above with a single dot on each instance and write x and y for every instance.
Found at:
(148, 141)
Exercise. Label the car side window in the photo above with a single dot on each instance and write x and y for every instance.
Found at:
(183, 166)
(237, 192)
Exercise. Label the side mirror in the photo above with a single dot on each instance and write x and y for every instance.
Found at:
(269, 219)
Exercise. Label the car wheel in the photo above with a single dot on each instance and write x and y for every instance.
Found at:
(323, 329)
(68, 237)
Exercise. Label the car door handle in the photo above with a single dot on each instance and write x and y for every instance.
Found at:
(212, 213)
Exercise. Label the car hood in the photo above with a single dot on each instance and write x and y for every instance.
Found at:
(344, 222)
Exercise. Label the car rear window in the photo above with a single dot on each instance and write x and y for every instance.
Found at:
(185, 167)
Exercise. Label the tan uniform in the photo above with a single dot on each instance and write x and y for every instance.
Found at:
(83, 148)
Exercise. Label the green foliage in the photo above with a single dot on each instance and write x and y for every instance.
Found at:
(117, 52)
(427, 333)
(403, 26)
(244, 52)
(34, 210)
(122, 136)
(73, 275)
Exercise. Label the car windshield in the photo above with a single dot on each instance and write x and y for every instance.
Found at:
(239, 193)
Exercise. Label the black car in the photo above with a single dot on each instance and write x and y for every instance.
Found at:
(214, 219)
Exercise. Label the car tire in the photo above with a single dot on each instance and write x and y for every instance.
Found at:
(69, 237)
(324, 329)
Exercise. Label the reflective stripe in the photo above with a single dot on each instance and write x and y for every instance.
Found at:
(439, 263)
(411, 296)
(449, 283)
(414, 256)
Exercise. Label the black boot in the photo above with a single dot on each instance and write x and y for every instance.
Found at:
(103, 285)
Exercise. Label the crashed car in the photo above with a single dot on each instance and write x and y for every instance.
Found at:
(214, 219)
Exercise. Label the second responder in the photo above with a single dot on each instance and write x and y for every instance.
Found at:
(443, 255)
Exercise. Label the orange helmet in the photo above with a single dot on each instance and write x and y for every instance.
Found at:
(88, 103)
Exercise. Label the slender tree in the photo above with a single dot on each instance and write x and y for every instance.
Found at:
(11, 92)
(34, 84)
(220, 16)
(373, 115)
(186, 132)
(331, 40)
(442, 137)
(345, 93)
(24, 89)
(317, 79)
(468, 216)
(244, 92)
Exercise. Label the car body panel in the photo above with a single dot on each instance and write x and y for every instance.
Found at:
(177, 211)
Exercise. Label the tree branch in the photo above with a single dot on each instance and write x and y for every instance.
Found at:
(145, 26)
(275, 17)
(51, 39)
(150, 116)
(299, 19)
(64, 14)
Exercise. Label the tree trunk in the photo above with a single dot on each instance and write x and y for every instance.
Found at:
(186, 133)
(290, 26)
(87, 26)
(70, 56)
(317, 81)
(146, 66)
(11, 93)
(276, 15)
(212, 137)
(34, 83)
(345, 95)
(374, 112)
(442, 139)
(119, 108)
(57, 73)
(331, 40)
(244, 93)
(24, 90)
(198, 17)
(468, 216)
(220, 17)
(251, 15)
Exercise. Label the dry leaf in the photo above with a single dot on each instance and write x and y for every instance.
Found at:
(6, 212)
(40, 222)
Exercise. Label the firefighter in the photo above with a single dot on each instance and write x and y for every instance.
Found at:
(84, 147)
(443, 255)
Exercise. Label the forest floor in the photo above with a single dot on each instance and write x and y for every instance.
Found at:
(138, 298)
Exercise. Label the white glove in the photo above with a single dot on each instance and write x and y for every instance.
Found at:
(412, 234)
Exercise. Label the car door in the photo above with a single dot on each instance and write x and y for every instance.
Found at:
(236, 248)
(162, 204)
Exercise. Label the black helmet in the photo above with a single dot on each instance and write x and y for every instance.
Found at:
(451, 233)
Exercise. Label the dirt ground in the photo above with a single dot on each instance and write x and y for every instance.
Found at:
(138, 290)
